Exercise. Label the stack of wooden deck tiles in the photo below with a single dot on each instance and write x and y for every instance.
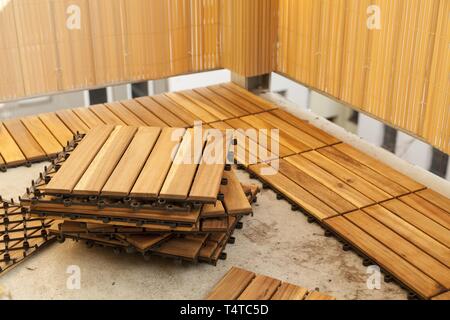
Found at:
(19, 235)
(139, 189)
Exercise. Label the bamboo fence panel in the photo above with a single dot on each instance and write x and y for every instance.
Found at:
(11, 82)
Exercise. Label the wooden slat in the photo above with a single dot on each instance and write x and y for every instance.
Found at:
(192, 107)
(106, 115)
(295, 193)
(206, 184)
(144, 114)
(188, 247)
(386, 258)
(124, 114)
(419, 220)
(235, 99)
(261, 288)
(157, 165)
(265, 141)
(57, 127)
(72, 121)
(435, 198)
(293, 143)
(257, 100)
(347, 176)
(289, 291)
(27, 144)
(232, 285)
(215, 225)
(379, 167)
(306, 127)
(88, 117)
(176, 109)
(329, 197)
(100, 169)
(224, 104)
(428, 209)
(162, 113)
(318, 296)
(9, 150)
(307, 139)
(345, 191)
(410, 233)
(145, 242)
(235, 201)
(373, 177)
(181, 175)
(68, 176)
(408, 251)
(208, 105)
(42, 135)
(125, 174)
(213, 210)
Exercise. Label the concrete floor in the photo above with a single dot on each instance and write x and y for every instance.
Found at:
(275, 242)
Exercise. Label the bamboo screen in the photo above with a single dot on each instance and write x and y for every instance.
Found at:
(249, 31)
(399, 73)
(116, 41)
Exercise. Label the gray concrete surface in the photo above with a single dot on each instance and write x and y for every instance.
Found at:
(275, 242)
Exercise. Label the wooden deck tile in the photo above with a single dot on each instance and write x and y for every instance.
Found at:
(101, 167)
(158, 165)
(23, 138)
(332, 199)
(295, 193)
(235, 109)
(57, 128)
(9, 150)
(106, 115)
(179, 179)
(257, 100)
(318, 296)
(380, 167)
(246, 105)
(68, 176)
(428, 209)
(419, 220)
(347, 192)
(435, 198)
(192, 107)
(373, 177)
(232, 285)
(291, 143)
(125, 174)
(186, 116)
(88, 117)
(235, 201)
(306, 127)
(305, 137)
(206, 183)
(408, 251)
(289, 291)
(253, 137)
(43, 136)
(212, 106)
(72, 121)
(143, 113)
(358, 183)
(168, 117)
(410, 233)
(261, 288)
(411, 276)
(124, 114)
